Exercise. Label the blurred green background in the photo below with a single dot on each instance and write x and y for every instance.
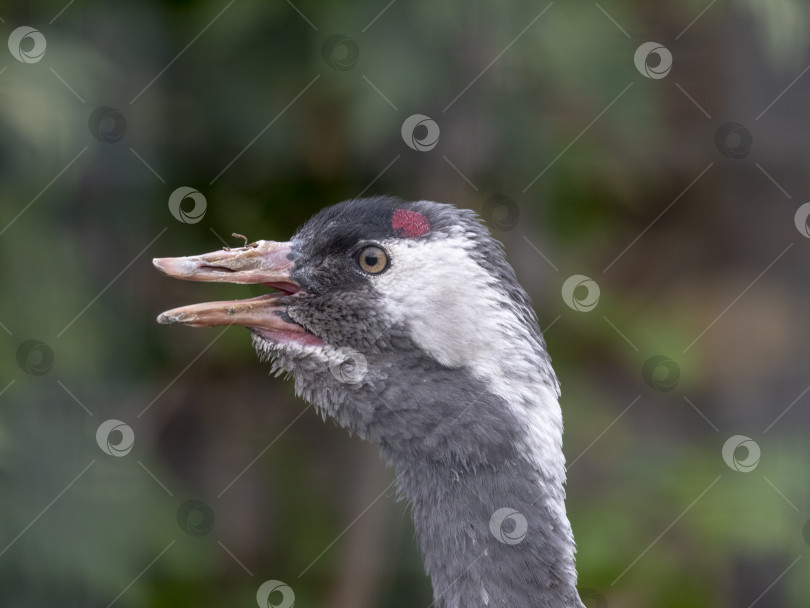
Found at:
(549, 130)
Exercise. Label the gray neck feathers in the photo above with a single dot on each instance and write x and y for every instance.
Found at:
(490, 518)
(488, 538)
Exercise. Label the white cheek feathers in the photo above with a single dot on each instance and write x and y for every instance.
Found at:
(431, 286)
(456, 313)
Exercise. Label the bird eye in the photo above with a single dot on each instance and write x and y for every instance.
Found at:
(373, 260)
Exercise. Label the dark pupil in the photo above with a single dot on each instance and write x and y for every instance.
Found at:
(371, 259)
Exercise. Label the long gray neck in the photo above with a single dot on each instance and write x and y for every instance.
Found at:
(493, 536)
(478, 455)
(486, 488)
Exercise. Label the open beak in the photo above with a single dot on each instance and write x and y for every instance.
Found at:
(265, 263)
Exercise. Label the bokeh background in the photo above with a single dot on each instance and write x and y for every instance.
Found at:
(677, 191)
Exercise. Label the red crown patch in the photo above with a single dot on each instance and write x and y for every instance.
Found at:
(409, 224)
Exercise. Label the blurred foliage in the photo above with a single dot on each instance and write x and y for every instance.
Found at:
(206, 88)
